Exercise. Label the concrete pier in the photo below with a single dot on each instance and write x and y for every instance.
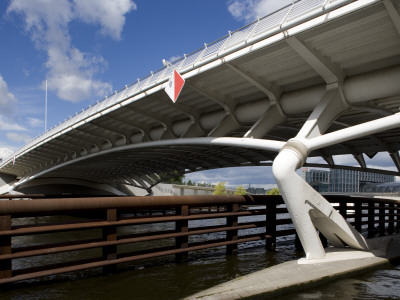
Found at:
(301, 274)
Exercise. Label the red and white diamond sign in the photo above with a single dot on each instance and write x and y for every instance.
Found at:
(174, 85)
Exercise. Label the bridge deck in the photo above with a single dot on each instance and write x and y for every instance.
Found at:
(262, 81)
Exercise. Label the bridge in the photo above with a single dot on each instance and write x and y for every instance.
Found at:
(317, 78)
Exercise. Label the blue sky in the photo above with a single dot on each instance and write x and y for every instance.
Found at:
(87, 49)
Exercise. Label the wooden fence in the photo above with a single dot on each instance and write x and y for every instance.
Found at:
(107, 231)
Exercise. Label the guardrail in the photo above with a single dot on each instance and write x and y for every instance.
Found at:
(107, 231)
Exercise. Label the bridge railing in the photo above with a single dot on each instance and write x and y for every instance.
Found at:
(45, 237)
(289, 16)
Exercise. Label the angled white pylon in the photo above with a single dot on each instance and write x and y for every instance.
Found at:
(309, 210)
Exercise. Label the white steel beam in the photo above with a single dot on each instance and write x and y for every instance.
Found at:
(165, 123)
(327, 110)
(273, 92)
(361, 160)
(320, 64)
(96, 136)
(329, 160)
(229, 122)
(393, 13)
(354, 132)
(77, 143)
(272, 117)
(126, 133)
(195, 129)
(208, 95)
(396, 159)
(107, 129)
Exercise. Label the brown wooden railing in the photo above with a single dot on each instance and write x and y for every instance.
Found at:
(107, 231)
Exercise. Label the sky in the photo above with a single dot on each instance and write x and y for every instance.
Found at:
(87, 49)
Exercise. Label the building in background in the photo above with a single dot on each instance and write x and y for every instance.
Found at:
(256, 191)
(318, 179)
(345, 181)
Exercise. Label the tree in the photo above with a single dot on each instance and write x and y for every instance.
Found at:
(174, 177)
(240, 190)
(274, 191)
(220, 189)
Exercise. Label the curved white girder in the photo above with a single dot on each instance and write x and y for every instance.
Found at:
(102, 188)
(273, 146)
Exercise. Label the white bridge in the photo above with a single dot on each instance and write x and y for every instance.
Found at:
(317, 78)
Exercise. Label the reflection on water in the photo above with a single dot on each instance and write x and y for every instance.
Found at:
(161, 278)
(155, 279)
(379, 284)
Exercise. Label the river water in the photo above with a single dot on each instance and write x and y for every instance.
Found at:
(162, 279)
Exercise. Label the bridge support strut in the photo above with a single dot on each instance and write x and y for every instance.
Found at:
(309, 210)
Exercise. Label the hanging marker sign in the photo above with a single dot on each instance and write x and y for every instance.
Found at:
(174, 85)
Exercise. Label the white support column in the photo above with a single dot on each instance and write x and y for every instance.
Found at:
(330, 106)
(308, 209)
(293, 191)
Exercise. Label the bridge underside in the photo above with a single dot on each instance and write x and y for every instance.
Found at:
(324, 83)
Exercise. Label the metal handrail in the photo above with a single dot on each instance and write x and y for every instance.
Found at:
(370, 215)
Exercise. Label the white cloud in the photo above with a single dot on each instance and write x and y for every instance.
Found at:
(345, 160)
(34, 122)
(7, 99)
(5, 152)
(110, 14)
(7, 124)
(381, 160)
(18, 137)
(256, 176)
(71, 73)
(249, 10)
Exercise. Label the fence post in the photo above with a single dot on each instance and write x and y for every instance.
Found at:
(371, 219)
(382, 218)
(110, 234)
(270, 231)
(182, 242)
(391, 212)
(343, 209)
(397, 216)
(5, 248)
(358, 208)
(232, 235)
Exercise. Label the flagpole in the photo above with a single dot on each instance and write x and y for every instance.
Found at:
(45, 110)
